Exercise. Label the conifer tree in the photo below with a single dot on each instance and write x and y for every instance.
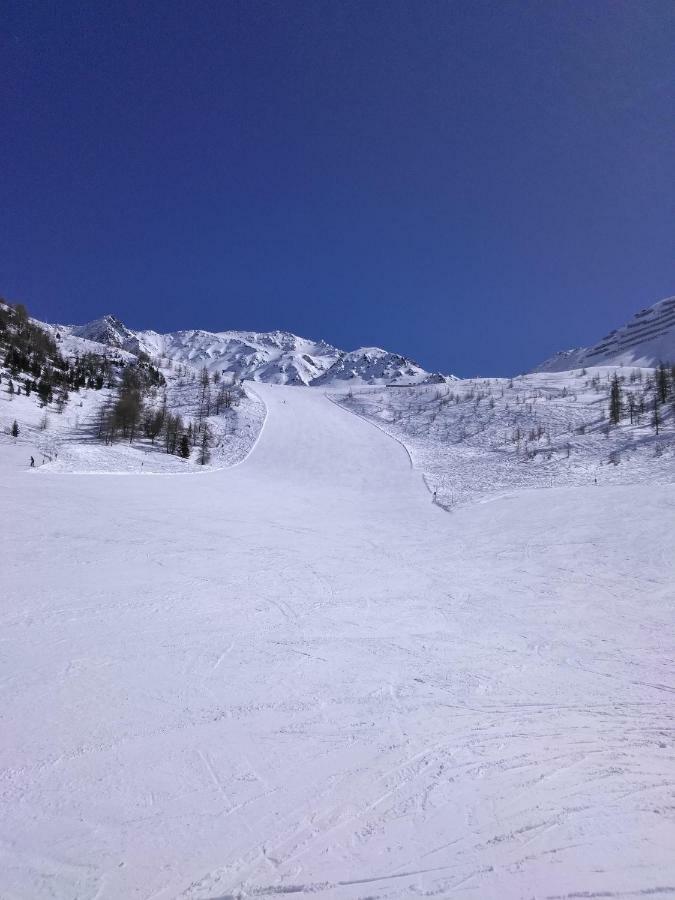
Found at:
(662, 383)
(631, 407)
(656, 416)
(205, 447)
(154, 422)
(615, 401)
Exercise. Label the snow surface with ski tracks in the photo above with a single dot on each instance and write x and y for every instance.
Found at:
(300, 676)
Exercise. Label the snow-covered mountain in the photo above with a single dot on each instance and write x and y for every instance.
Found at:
(107, 330)
(371, 365)
(647, 340)
(277, 357)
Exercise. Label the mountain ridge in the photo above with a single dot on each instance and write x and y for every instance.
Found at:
(647, 339)
(277, 357)
(282, 357)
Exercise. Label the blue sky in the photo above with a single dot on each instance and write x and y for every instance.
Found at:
(473, 184)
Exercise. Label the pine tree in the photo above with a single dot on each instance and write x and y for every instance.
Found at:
(656, 416)
(185, 447)
(615, 401)
(21, 314)
(154, 422)
(631, 407)
(204, 449)
(662, 383)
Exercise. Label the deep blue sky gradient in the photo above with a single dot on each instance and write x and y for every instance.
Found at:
(473, 184)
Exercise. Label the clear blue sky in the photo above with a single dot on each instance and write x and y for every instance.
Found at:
(474, 184)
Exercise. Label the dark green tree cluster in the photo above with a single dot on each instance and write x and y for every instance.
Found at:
(28, 350)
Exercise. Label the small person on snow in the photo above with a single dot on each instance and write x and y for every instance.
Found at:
(32, 463)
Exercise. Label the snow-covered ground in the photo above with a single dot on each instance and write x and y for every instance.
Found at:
(299, 675)
(67, 441)
(479, 439)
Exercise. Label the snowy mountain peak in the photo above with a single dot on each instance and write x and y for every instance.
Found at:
(278, 357)
(107, 330)
(372, 365)
(646, 340)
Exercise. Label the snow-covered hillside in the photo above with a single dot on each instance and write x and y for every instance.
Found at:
(647, 340)
(59, 404)
(481, 438)
(66, 439)
(276, 357)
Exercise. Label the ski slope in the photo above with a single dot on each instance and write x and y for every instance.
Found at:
(299, 676)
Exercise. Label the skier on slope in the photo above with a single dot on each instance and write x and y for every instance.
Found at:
(32, 463)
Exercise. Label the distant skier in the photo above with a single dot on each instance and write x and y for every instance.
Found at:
(32, 463)
(434, 497)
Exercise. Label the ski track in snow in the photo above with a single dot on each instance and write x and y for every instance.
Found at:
(300, 677)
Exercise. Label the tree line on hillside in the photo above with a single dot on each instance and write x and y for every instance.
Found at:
(658, 391)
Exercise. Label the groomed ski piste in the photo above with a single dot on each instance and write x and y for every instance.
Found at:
(301, 676)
